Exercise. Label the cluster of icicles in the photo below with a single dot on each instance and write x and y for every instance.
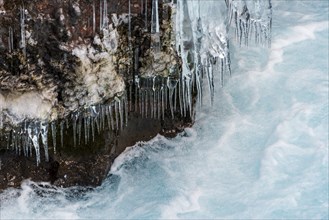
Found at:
(85, 124)
(206, 52)
(203, 53)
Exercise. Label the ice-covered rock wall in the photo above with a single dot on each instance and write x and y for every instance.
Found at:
(88, 62)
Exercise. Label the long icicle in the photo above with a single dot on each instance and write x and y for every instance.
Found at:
(155, 27)
(94, 18)
(44, 138)
(100, 16)
(33, 132)
(10, 41)
(146, 15)
(23, 35)
(105, 14)
(53, 134)
(129, 23)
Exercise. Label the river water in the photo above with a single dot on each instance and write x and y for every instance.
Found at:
(260, 152)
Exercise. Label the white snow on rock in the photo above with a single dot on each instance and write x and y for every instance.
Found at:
(30, 105)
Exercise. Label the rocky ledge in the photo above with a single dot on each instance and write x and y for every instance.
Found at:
(85, 164)
(80, 81)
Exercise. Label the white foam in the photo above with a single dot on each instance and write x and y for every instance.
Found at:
(298, 33)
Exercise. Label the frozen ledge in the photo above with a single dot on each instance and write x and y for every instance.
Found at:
(76, 73)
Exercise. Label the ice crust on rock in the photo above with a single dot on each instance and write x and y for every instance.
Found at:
(185, 56)
(97, 74)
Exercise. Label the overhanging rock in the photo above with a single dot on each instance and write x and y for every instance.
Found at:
(73, 71)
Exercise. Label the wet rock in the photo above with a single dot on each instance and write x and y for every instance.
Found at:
(59, 62)
(85, 165)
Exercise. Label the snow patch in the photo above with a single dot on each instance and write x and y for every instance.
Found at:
(30, 105)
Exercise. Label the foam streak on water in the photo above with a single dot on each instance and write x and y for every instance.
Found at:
(261, 152)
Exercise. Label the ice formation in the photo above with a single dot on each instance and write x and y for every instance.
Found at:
(252, 19)
(204, 47)
(184, 55)
(85, 124)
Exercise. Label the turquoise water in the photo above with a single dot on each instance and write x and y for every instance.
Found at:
(260, 152)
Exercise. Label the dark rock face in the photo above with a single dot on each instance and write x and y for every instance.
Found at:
(61, 63)
(73, 54)
(54, 51)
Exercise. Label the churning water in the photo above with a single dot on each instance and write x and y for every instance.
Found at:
(260, 152)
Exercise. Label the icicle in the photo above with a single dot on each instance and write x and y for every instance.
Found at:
(210, 77)
(251, 18)
(118, 113)
(23, 35)
(7, 137)
(107, 113)
(67, 123)
(116, 109)
(111, 116)
(154, 103)
(79, 127)
(155, 27)
(129, 101)
(94, 18)
(137, 91)
(105, 14)
(100, 16)
(163, 94)
(126, 109)
(44, 138)
(53, 134)
(75, 116)
(98, 118)
(188, 83)
(92, 128)
(24, 144)
(154, 91)
(171, 84)
(33, 132)
(159, 103)
(30, 147)
(198, 44)
(10, 42)
(165, 87)
(180, 96)
(141, 101)
(25, 140)
(146, 15)
(136, 64)
(146, 102)
(176, 32)
(87, 128)
(129, 22)
(61, 125)
(14, 141)
(183, 95)
(186, 28)
(95, 114)
(103, 115)
(85, 119)
(20, 141)
(227, 60)
(151, 94)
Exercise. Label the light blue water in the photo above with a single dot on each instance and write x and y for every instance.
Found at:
(261, 152)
